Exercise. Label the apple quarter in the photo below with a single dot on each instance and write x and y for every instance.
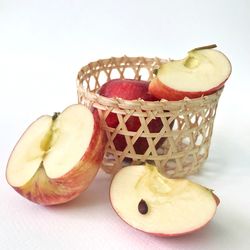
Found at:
(174, 206)
(203, 72)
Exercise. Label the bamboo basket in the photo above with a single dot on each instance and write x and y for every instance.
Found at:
(181, 145)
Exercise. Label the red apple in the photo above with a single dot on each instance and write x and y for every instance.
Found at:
(57, 157)
(130, 89)
(203, 72)
(154, 204)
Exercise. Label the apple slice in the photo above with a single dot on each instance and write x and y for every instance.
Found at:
(152, 203)
(202, 72)
(57, 157)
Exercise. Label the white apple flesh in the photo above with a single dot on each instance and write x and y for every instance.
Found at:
(202, 72)
(57, 157)
(173, 206)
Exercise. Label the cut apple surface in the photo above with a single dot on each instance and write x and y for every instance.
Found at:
(202, 72)
(57, 157)
(152, 203)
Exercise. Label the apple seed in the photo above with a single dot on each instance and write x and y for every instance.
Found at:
(142, 207)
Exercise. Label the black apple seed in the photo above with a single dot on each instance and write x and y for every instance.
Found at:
(142, 207)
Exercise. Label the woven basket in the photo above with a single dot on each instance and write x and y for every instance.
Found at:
(186, 129)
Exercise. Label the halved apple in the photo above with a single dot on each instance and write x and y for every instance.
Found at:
(203, 72)
(152, 203)
(58, 156)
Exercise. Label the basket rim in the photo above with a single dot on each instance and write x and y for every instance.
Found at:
(121, 101)
(139, 103)
(100, 101)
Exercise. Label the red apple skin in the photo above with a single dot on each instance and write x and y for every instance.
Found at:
(45, 191)
(162, 91)
(217, 200)
(130, 89)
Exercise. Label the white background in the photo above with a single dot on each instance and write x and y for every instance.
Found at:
(44, 43)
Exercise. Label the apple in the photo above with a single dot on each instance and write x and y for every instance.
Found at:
(130, 89)
(203, 72)
(58, 156)
(152, 203)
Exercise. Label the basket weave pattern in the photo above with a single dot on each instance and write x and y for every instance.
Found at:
(181, 145)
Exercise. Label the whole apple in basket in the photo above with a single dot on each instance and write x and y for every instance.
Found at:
(130, 89)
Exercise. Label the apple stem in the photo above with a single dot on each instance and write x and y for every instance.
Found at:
(41, 164)
(211, 46)
(155, 71)
(56, 114)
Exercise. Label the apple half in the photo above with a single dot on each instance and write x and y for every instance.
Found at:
(57, 156)
(152, 203)
(203, 72)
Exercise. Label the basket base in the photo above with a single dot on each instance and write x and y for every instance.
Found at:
(172, 168)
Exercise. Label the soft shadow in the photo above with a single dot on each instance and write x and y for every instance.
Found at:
(219, 160)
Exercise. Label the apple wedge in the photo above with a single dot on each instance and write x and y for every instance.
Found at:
(203, 72)
(152, 203)
(57, 156)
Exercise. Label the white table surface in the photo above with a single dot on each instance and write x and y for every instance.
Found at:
(43, 44)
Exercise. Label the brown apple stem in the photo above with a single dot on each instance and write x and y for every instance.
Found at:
(55, 116)
(155, 71)
(211, 46)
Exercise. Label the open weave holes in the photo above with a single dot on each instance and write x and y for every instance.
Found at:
(180, 145)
